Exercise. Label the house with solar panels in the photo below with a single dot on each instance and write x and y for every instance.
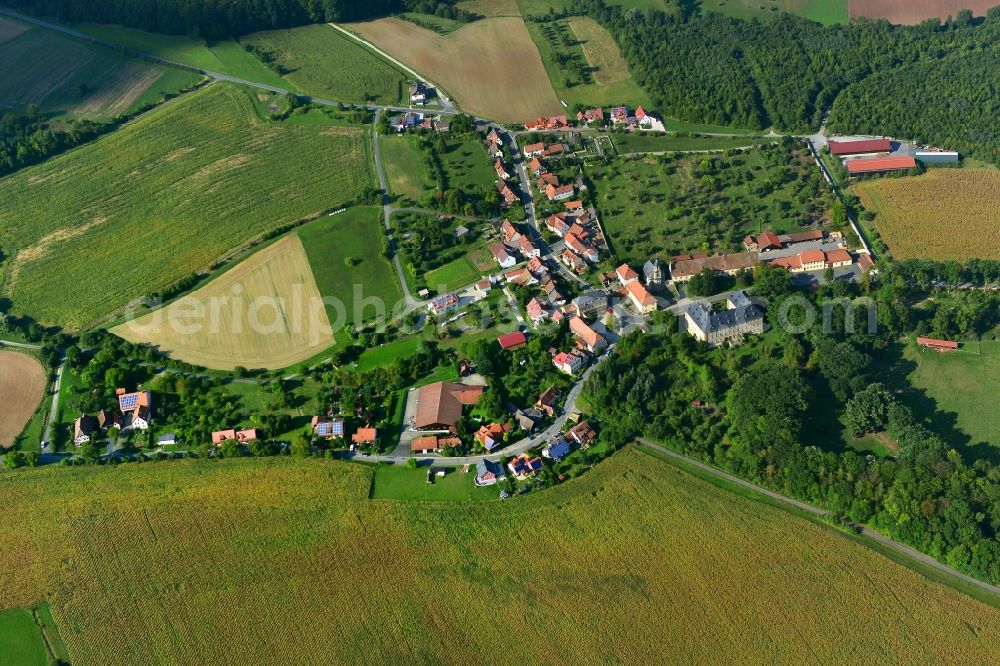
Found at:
(328, 428)
(136, 409)
(557, 449)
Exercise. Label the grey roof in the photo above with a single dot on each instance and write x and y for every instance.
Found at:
(591, 298)
(742, 311)
(166, 437)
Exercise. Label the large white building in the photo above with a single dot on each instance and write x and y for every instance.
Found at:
(741, 317)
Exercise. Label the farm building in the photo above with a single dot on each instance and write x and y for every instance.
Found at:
(439, 405)
(683, 270)
(880, 165)
(938, 345)
(936, 157)
(862, 147)
(512, 340)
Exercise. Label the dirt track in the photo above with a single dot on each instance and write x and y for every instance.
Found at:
(22, 381)
(914, 11)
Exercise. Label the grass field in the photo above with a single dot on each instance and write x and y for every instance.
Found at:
(584, 64)
(64, 76)
(400, 483)
(490, 7)
(404, 165)
(368, 288)
(231, 549)
(490, 67)
(635, 142)
(821, 11)
(915, 11)
(165, 196)
(959, 388)
(662, 206)
(225, 57)
(942, 214)
(460, 272)
(270, 314)
(21, 640)
(466, 164)
(321, 61)
(22, 383)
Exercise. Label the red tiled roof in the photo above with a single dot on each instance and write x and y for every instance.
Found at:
(942, 344)
(857, 147)
(512, 340)
(839, 255)
(640, 294)
(440, 404)
(880, 164)
(812, 257)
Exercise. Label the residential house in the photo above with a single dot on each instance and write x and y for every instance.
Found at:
(484, 287)
(494, 144)
(521, 277)
(582, 434)
(501, 170)
(556, 223)
(644, 119)
(641, 299)
(136, 409)
(513, 340)
(731, 325)
(489, 472)
(443, 304)
(582, 248)
(546, 179)
(527, 248)
(572, 261)
(502, 256)
(491, 435)
(327, 428)
(364, 436)
(524, 466)
(554, 149)
(557, 449)
(537, 312)
(590, 339)
(536, 266)
(568, 362)
(619, 115)
(574, 206)
(626, 275)
(839, 258)
(84, 428)
(547, 400)
(108, 418)
(420, 93)
(424, 445)
(552, 293)
(240, 436)
(591, 304)
(559, 193)
(767, 240)
(547, 122)
(507, 194)
(509, 232)
(439, 405)
(590, 116)
(533, 149)
(536, 167)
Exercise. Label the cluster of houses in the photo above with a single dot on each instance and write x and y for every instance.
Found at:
(414, 120)
(548, 123)
(548, 182)
(525, 466)
(632, 288)
(618, 116)
(579, 229)
(134, 413)
(494, 148)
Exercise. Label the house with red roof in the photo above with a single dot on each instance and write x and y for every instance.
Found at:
(524, 466)
(590, 339)
(366, 435)
(860, 167)
(547, 400)
(503, 257)
(626, 274)
(241, 436)
(559, 193)
(839, 258)
(502, 172)
(641, 299)
(533, 149)
(581, 248)
(862, 147)
(491, 435)
(509, 232)
(573, 261)
(556, 223)
(536, 267)
(938, 345)
(536, 167)
(527, 248)
(590, 116)
(568, 362)
(521, 277)
(507, 194)
(582, 434)
(536, 311)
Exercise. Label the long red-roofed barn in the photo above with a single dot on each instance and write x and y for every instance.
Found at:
(439, 405)
(862, 147)
(880, 164)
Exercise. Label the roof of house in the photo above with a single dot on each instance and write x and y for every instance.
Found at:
(522, 465)
(932, 342)
(534, 148)
(426, 443)
(239, 435)
(718, 262)
(499, 252)
(839, 255)
(768, 239)
(625, 272)
(334, 428)
(639, 293)
(565, 358)
(559, 449)
(582, 330)
(535, 165)
(441, 403)
(812, 257)
(864, 146)
(129, 402)
(484, 467)
(881, 164)
(364, 435)
(582, 432)
(535, 309)
(805, 236)
(548, 397)
(512, 340)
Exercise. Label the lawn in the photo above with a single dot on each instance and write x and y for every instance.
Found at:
(912, 212)
(821, 11)
(403, 161)
(466, 164)
(378, 357)
(321, 61)
(398, 482)
(224, 56)
(230, 549)
(584, 64)
(368, 287)
(65, 76)
(186, 185)
(460, 272)
(21, 640)
(490, 67)
(673, 204)
(636, 142)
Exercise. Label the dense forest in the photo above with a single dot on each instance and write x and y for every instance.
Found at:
(220, 18)
(760, 415)
(28, 138)
(788, 71)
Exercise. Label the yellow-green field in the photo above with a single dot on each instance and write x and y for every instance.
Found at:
(167, 195)
(491, 67)
(942, 214)
(287, 561)
(61, 75)
(264, 313)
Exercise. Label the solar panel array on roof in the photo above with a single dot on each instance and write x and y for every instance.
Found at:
(559, 450)
(128, 401)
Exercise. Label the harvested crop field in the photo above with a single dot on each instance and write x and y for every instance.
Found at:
(600, 50)
(132, 213)
(909, 12)
(264, 313)
(942, 214)
(491, 67)
(239, 558)
(22, 383)
(63, 75)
